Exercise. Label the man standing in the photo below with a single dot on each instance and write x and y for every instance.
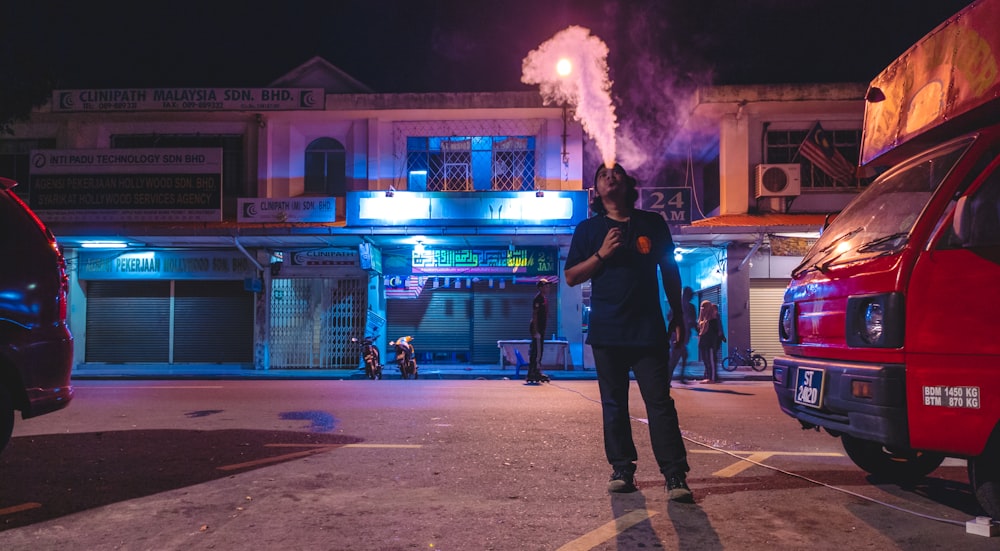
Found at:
(539, 317)
(620, 250)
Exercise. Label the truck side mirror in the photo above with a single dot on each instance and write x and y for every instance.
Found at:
(962, 220)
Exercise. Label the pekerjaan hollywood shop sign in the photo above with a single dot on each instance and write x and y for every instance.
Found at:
(188, 99)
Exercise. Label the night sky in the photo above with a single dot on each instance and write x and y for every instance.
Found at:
(659, 50)
(472, 45)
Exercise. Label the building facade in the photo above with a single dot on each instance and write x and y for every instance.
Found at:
(268, 227)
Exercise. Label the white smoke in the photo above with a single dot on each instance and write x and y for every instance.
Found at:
(585, 86)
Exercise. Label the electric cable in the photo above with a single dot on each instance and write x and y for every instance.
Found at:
(787, 473)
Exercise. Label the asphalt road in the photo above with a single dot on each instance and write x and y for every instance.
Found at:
(442, 464)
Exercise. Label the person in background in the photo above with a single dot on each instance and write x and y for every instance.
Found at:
(709, 331)
(620, 250)
(539, 317)
(679, 351)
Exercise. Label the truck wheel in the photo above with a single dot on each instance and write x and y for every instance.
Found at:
(877, 460)
(6, 416)
(984, 477)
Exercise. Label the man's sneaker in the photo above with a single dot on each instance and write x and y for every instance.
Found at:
(622, 483)
(677, 489)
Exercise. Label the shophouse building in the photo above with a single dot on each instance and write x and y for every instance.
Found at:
(264, 228)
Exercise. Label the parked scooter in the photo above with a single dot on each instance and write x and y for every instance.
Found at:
(371, 357)
(405, 356)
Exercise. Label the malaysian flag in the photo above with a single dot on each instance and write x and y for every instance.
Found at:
(818, 148)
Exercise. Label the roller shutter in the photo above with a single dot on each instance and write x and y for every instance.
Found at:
(128, 321)
(213, 322)
(504, 314)
(766, 296)
(439, 320)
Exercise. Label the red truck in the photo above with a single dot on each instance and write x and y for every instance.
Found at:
(891, 323)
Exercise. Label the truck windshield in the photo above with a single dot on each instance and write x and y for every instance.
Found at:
(879, 220)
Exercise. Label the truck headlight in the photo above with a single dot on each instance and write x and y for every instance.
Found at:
(786, 326)
(875, 321)
(872, 331)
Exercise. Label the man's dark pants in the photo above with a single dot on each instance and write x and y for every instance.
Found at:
(650, 366)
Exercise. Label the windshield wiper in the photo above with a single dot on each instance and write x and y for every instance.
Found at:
(808, 263)
(873, 244)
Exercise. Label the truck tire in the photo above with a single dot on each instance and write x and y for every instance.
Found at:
(984, 477)
(6, 417)
(874, 458)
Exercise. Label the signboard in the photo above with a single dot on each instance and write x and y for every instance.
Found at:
(498, 208)
(673, 203)
(165, 265)
(161, 185)
(189, 99)
(296, 209)
(527, 261)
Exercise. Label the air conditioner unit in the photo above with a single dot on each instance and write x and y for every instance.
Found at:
(783, 180)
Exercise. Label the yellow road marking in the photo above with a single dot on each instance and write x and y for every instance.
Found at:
(311, 449)
(402, 446)
(18, 508)
(759, 457)
(813, 454)
(276, 459)
(610, 530)
(148, 387)
(741, 466)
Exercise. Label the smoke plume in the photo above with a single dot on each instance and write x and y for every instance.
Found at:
(572, 68)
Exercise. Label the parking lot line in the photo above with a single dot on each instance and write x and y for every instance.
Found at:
(610, 530)
(757, 457)
(740, 466)
(310, 449)
(313, 450)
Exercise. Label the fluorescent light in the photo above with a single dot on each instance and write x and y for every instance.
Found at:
(103, 244)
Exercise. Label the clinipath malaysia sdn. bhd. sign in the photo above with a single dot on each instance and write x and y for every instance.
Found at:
(126, 185)
(188, 99)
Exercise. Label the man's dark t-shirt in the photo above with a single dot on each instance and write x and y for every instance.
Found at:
(625, 292)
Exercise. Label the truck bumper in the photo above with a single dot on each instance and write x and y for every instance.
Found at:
(880, 417)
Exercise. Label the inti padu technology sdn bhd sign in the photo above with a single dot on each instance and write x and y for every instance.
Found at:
(154, 185)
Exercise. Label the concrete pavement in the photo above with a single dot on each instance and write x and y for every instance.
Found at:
(695, 371)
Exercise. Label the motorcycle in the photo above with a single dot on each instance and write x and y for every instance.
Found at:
(371, 356)
(405, 357)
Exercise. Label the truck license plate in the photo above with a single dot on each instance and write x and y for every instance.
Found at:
(809, 387)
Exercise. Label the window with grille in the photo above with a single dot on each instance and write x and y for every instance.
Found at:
(487, 155)
(15, 163)
(782, 146)
(326, 167)
(468, 163)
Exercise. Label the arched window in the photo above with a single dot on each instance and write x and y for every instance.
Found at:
(326, 164)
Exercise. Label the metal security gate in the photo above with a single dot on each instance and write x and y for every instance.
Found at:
(438, 319)
(313, 321)
(463, 324)
(128, 321)
(505, 314)
(766, 296)
(155, 321)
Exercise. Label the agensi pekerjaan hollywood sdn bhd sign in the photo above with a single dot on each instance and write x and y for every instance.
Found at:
(105, 265)
(189, 99)
(126, 185)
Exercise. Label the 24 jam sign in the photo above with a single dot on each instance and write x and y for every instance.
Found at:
(673, 203)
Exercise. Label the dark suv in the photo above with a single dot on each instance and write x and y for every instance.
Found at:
(36, 347)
